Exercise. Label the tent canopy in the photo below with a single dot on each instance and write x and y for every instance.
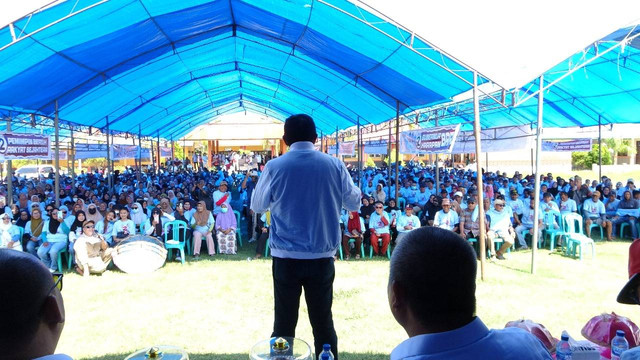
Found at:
(599, 85)
(163, 67)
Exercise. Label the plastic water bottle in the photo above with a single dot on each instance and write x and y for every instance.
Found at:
(563, 349)
(326, 353)
(618, 345)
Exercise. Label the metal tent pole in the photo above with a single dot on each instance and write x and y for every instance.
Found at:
(359, 145)
(536, 210)
(56, 125)
(72, 155)
(9, 172)
(397, 147)
(599, 148)
(139, 170)
(480, 202)
(159, 157)
(109, 180)
(184, 151)
(337, 151)
(389, 162)
(486, 159)
(437, 167)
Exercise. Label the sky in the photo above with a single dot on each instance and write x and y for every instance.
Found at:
(509, 41)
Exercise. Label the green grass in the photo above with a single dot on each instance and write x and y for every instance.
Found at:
(217, 309)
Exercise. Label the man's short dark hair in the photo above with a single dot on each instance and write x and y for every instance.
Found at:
(299, 127)
(23, 289)
(437, 269)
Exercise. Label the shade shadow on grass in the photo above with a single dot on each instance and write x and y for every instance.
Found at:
(215, 356)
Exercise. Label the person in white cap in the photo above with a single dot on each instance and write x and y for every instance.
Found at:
(406, 223)
(457, 204)
(445, 218)
(500, 227)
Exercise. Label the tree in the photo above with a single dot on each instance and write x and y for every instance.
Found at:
(585, 160)
(620, 147)
(178, 151)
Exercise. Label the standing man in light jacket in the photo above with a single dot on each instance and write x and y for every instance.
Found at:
(305, 191)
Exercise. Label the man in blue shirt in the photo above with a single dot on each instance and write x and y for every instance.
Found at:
(442, 324)
(305, 191)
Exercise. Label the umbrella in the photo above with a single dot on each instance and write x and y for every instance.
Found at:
(602, 328)
(538, 330)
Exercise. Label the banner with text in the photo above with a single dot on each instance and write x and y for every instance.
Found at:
(345, 148)
(376, 147)
(14, 146)
(509, 138)
(436, 140)
(566, 145)
(90, 151)
(165, 151)
(64, 156)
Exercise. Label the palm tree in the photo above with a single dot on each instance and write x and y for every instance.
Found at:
(620, 146)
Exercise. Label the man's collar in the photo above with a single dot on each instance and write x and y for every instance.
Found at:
(441, 342)
(301, 146)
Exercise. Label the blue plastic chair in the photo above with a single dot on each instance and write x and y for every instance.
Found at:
(177, 226)
(380, 244)
(575, 238)
(62, 251)
(550, 232)
(238, 231)
(594, 225)
(401, 203)
(352, 241)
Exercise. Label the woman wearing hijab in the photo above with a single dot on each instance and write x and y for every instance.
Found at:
(366, 209)
(9, 234)
(104, 228)
(202, 223)
(395, 213)
(226, 230)
(33, 231)
(137, 214)
(23, 219)
(353, 231)
(93, 254)
(173, 200)
(379, 194)
(76, 230)
(55, 240)
(165, 206)
(16, 213)
(154, 226)
(93, 214)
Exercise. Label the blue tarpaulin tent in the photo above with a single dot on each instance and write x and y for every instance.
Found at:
(599, 85)
(163, 67)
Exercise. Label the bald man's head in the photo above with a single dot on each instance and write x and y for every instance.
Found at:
(32, 310)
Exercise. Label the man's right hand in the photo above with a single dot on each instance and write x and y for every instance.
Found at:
(45, 244)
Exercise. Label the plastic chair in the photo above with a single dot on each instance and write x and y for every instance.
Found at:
(177, 226)
(549, 222)
(498, 241)
(594, 225)
(622, 226)
(238, 232)
(380, 244)
(575, 237)
(62, 251)
(401, 203)
(352, 241)
(266, 247)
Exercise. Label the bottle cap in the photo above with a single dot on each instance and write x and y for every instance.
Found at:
(326, 347)
(620, 332)
(564, 337)
(325, 356)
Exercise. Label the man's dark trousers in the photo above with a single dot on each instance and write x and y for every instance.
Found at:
(316, 277)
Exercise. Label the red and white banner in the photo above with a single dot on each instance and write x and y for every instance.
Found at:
(14, 146)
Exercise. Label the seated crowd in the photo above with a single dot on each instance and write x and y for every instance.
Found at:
(92, 219)
(508, 204)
